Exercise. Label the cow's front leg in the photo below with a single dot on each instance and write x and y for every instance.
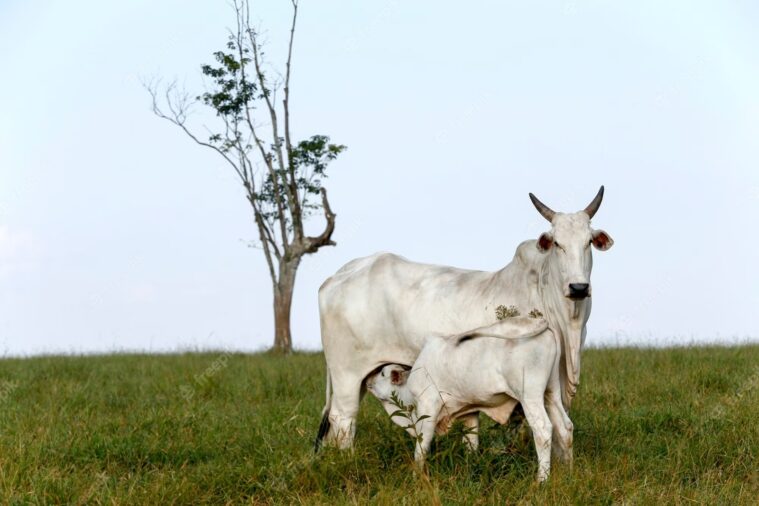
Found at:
(472, 430)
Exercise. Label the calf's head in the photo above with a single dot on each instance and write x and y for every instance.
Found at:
(569, 242)
(391, 378)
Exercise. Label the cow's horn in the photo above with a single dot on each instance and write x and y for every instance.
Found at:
(593, 206)
(543, 209)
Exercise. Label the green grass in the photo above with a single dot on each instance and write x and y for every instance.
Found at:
(666, 426)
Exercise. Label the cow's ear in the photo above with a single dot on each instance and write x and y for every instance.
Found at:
(601, 240)
(398, 377)
(545, 242)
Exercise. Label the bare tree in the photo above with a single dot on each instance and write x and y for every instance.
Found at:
(282, 180)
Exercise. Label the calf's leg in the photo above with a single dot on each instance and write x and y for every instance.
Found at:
(563, 428)
(425, 421)
(472, 427)
(536, 415)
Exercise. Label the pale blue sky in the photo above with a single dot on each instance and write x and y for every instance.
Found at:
(117, 233)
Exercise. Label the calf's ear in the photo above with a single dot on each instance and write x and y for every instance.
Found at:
(398, 377)
(601, 240)
(545, 242)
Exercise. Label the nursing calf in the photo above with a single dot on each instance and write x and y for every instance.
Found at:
(488, 370)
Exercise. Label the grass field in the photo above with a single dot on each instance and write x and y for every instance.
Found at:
(665, 426)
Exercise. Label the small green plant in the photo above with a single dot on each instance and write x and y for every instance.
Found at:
(457, 432)
(406, 411)
(535, 313)
(502, 312)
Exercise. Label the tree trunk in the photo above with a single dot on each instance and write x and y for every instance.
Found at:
(283, 298)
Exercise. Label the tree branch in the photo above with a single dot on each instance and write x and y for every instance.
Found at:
(265, 241)
(312, 244)
(289, 183)
(178, 118)
(293, 187)
(243, 25)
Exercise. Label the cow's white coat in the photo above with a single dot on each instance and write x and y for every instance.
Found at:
(380, 309)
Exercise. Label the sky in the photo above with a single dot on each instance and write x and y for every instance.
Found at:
(118, 234)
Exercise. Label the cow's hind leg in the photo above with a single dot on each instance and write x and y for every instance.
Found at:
(535, 412)
(346, 396)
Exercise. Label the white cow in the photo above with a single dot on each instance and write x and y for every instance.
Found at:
(488, 370)
(380, 309)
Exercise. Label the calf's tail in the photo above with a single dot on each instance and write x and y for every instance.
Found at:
(324, 425)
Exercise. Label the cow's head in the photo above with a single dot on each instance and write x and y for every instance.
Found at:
(569, 242)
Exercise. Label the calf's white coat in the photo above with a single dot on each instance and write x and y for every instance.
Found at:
(487, 370)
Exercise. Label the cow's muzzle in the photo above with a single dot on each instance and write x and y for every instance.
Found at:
(579, 291)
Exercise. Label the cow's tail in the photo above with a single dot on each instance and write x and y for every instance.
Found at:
(324, 425)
